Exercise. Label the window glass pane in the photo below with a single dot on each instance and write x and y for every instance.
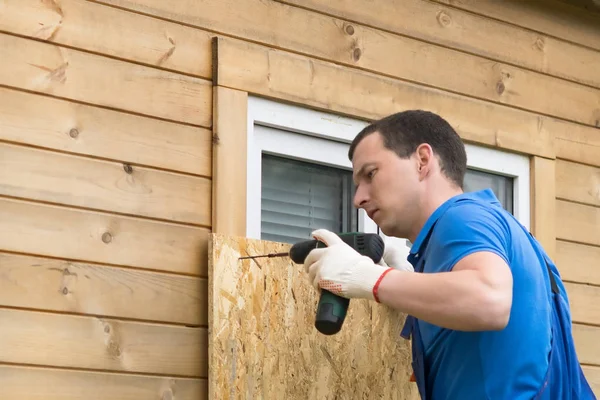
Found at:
(502, 186)
(299, 197)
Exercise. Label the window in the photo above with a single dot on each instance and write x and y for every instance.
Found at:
(299, 177)
(507, 174)
(298, 197)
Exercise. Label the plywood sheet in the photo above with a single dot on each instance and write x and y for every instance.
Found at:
(263, 343)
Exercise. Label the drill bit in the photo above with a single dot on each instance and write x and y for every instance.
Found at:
(271, 255)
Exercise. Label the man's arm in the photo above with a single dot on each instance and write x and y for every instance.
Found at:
(475, 295)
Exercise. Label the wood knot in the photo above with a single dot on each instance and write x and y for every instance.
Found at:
(500, 87)
(350, 30)
(128, 168)
(74, 133)
(540, 43)
(444, 19)
(106, 237)
(356, 54)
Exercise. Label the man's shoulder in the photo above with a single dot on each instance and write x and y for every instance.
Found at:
(469, 215)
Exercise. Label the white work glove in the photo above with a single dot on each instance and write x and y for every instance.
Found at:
(395, 255)
(341, 270)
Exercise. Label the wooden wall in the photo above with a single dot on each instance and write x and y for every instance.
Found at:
(108, 184)
(105, 203)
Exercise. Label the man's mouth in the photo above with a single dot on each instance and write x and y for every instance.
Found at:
(371, 214)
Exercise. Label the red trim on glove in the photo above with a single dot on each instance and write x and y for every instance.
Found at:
(376, 287)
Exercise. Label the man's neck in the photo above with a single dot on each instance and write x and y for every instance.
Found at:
(431, 202)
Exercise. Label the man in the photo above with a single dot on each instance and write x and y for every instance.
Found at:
(488, 313)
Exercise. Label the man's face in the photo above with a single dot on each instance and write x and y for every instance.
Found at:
(387, 186)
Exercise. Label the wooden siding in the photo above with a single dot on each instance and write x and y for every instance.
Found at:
(109, 187)
(105, 203)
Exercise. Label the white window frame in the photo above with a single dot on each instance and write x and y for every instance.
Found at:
(322, 138)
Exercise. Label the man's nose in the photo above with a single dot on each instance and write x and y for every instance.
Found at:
(361, 197)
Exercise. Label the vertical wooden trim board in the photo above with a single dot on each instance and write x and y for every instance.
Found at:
(229, 161)
(543, 203)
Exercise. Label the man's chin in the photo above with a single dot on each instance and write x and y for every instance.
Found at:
(388, 229)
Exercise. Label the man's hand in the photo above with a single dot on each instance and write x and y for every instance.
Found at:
(395, 256)
(341, 270)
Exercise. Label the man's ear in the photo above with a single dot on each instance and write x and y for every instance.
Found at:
(424, 158)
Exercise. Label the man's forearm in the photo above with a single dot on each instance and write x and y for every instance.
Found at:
(460, 300)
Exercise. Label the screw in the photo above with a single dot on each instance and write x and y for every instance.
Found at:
(74, 133)
(500, 87)
(128, 169)
(107, 237)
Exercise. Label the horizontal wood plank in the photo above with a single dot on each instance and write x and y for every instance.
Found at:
(58, 285)
(281, 75)
(586, 343)
(578, 223)
(329, 38)
(29, 337)
(131, 36)
(34, 383)
(76, 128)
(552, 17)
(577, 262)
(104, 238)
(577, 182)
(108, 186)
(592, 374)
(585, 303)
(576, 143)
(468, 32)
(73, 74)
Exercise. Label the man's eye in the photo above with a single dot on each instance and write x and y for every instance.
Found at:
(371, 173)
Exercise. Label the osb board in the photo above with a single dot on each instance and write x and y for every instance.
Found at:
(263, 343)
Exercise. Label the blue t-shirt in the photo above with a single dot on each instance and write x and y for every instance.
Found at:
(506, 364)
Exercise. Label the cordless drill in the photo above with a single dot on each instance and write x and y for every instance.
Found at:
(331, 310)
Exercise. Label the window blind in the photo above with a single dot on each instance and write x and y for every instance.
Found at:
(502, 186)
(299, 197)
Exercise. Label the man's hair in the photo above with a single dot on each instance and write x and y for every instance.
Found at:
(404, 131)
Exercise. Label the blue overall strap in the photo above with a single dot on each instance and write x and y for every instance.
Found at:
(411, 329)
(564, 379)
